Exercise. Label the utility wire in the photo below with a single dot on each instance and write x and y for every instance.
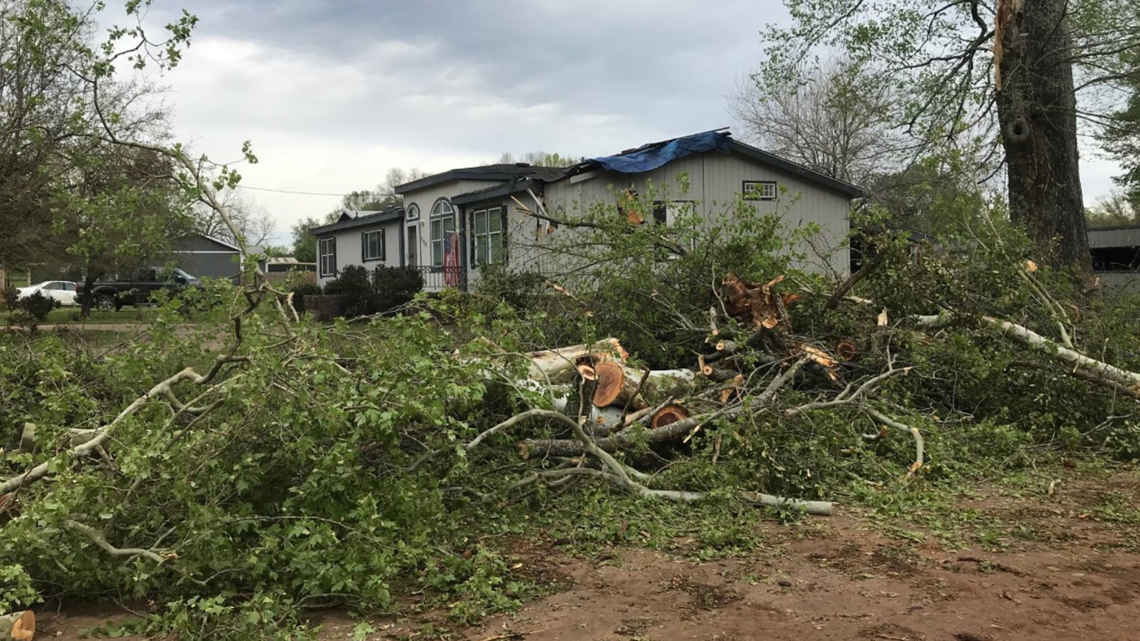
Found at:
(289, 191)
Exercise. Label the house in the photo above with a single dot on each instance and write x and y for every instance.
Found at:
(205, 257)
(1116, 257)
(368, 238)
(454, 222)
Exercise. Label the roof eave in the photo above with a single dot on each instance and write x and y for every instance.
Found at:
(508, 189)
(451, 176)
(827, 181)
(387, 217)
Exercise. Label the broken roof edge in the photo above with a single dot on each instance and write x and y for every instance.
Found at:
(511, 187)
(649, 157)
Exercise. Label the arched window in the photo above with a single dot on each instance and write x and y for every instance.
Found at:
(442, 223)
(412, 212)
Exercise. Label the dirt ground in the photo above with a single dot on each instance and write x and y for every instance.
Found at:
(1056, 567)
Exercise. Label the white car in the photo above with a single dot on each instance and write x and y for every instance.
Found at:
(62, 291)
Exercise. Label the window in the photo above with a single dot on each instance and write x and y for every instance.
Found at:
(413, 247)
(327, 257)
(667, 212)
(372, 245)
(442, 223)
(759, 190)
(488, 235)
(412, 212)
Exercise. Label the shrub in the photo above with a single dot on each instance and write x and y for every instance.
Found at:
(301, 291)
(395, 286)
(385, 289)
(520, 290)
(354, 288)
(37, 305)
(11, 294)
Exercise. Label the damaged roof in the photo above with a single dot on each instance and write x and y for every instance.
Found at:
(657, 154)
(497, 172)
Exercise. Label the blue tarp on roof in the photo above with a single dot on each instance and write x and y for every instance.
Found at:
(654, 156)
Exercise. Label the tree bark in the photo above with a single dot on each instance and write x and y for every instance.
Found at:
(560, 366)
(1037, 112)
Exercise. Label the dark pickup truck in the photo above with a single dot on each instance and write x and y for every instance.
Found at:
(137, 287)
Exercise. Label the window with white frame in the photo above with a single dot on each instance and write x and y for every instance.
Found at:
(487, 230)
(372, 245)
(412, 212)
(442, 223)
(327, 254)
(759, 190)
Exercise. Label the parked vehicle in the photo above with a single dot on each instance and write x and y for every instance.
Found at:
(138, 287)
(63, 292)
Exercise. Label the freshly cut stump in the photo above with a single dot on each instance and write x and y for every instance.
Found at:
(18, 626)
(668, 415)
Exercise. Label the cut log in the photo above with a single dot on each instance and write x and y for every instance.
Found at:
(719, 375)
(846, 350)
(604, 420)
(558, 366)
(668, 415)
(18, 626)
(28, 438)
(617, 384)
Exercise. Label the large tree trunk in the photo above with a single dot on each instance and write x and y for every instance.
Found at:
(1037, 112)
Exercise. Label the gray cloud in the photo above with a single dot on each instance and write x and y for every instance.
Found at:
(335, 93)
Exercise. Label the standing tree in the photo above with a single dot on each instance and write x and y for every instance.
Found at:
(304, 245)
(1037, 110)
(1121, 135)
(962, 73)
(838, 123)
(120, 212)
(37, 94)
(1113, 210)
(539, 159)
(253, 221)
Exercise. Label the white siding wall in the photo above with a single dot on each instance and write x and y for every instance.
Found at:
(714, 181)
(425, 198)
(523, 244)
(349, 250)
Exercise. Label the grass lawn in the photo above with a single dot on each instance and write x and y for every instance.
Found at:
(64, 315)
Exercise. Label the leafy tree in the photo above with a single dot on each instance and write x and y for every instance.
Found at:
(304, 245)
(121, 210)
(40, 116)
(1121, 135)
(960, 72)
(68, 196)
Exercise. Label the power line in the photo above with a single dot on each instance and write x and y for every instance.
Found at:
(289, 191)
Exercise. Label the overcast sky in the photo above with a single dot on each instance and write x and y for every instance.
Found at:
(333, 94)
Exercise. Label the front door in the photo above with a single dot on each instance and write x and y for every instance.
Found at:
(413, 247)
